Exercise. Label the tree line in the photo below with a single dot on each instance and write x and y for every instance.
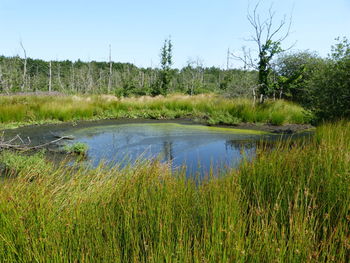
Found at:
(319, 84)
(122, 79)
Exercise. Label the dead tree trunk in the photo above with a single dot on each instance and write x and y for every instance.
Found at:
(24, 77)
(73, 79)
(59, 77)
(254, 96)
(1, 81)
(228, 59)
(50, 76)
(110, 70)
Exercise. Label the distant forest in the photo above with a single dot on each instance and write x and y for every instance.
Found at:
(122, 79)
(319, 84)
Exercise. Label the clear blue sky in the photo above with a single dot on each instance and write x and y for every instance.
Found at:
(75, 29)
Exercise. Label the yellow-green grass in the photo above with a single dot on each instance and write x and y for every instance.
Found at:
(290, 204)
(22, 110)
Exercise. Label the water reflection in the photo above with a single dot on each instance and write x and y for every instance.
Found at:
(200, 148)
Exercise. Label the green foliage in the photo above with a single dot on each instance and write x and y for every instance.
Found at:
(78, 148)
(267, 51)
(165, 74)
(321, 85)
(341, 50)
(329, 89)
(293, 71)
(290, 204)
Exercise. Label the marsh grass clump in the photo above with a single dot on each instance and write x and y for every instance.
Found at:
(78, 148)
(290, 204)
(13, 163)
(212, 109)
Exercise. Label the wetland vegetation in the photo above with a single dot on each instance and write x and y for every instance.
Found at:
(211, 109)
(288, 204)
(286, 201)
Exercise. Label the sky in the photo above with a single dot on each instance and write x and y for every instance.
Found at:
(136, 29)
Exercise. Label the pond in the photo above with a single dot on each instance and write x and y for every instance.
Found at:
(200, 148)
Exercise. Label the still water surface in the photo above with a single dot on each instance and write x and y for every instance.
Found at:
(198, 147)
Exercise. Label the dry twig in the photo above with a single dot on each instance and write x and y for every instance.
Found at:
(22, 145)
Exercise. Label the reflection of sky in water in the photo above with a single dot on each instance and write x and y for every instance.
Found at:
(197, 147)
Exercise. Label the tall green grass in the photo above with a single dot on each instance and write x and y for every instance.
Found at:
(290, 204)
(209, 108)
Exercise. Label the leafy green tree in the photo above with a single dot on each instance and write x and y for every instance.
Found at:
(165, 74)
(330, 86)
(292, 73)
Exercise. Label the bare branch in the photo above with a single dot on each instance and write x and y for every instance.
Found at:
(268, 36)
(263, 30)
(24, 146)
(246, 58)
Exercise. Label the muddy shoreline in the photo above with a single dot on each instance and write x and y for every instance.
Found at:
(45, 132)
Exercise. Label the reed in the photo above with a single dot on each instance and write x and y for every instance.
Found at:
(289, 204)
(22, 110)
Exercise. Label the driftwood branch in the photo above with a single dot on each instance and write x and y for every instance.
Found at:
(22, 145)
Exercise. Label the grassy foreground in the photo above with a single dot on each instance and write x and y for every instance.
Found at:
(291, 204)
(21, 110)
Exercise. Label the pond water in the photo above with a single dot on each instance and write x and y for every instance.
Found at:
(200, 148)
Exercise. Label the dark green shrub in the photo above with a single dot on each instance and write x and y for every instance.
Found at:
(329, 89)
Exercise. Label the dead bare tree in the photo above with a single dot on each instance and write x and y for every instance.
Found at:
(50, 76)
(1, 81)
(59, 77)
(24, 78)
(245, 57)
(228, 59)
(72, 82)
(110, 70)
(196, 71)
(141, 79)
(90, 78)
(268, 37)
